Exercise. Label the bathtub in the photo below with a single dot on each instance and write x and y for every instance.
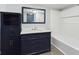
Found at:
(67, 45)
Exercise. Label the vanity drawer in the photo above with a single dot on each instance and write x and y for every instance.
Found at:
(35, 35)
(40, 40)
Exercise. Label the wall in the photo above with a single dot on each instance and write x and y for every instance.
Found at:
(70, 21)
(66, 26)
(65, 22)
(72, 11)
(2, 7)
(55, 21)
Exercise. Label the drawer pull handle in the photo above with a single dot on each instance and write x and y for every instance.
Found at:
(11, 43)
(34, 38)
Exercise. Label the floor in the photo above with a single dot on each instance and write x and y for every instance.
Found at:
(54, 51)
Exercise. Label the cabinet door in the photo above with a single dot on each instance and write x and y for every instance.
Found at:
(40, 45)
(15, 45)
(10, 46)
(45, 44)
(25, 45)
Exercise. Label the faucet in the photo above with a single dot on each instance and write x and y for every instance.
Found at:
(34, 27)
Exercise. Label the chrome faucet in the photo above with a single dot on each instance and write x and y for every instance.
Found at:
(34, 27)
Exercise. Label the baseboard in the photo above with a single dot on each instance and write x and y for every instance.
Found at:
(58, 48)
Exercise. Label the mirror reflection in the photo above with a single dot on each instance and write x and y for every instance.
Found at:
(31, 15)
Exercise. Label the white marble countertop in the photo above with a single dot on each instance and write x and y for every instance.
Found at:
(34, 31)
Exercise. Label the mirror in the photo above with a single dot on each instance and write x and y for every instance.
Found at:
(33, 15)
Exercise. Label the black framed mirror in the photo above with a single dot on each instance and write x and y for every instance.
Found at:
(33, 15)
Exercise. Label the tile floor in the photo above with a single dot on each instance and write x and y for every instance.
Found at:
(54, 51)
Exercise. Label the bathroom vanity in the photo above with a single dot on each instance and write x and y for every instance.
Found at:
(35, 43)
(34, 40)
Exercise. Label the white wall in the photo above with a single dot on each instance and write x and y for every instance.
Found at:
(2, 7)
(72, 11)
(65, 22)
(70, 21)
(66, 26)
(55, 21)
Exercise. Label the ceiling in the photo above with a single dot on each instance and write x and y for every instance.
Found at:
(55, 6)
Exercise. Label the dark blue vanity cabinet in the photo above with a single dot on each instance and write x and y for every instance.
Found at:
(35, 43)
(10, 28)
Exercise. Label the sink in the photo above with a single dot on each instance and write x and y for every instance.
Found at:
(34, 31)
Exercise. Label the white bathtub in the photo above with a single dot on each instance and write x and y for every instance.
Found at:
(67, 45)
